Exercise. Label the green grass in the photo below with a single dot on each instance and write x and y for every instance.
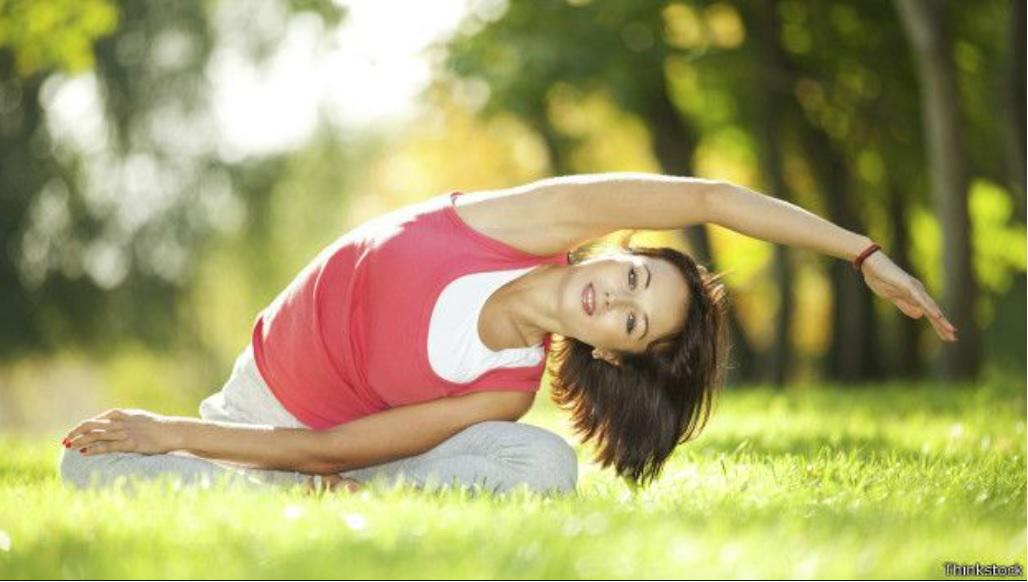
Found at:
(889, 481)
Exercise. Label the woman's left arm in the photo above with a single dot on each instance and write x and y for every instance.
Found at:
(777, 221)
(759, 216)
(140, 431)
(390, 434)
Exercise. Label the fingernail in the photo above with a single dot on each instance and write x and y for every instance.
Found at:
(82, 450)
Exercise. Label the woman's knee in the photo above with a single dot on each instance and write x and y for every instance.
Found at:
(545, 460)
(85, 471)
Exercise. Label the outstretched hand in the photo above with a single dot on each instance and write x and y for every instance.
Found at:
(887, 280)
(125, 431)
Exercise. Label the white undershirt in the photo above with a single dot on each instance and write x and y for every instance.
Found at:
(455, 350)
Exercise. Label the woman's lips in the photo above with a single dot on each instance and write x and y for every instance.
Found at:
(589, 299)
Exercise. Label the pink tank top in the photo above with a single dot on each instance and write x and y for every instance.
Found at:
(349, 336)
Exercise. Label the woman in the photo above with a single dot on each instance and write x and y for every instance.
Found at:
(410, 346)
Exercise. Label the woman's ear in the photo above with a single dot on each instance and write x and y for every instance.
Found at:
(607, 356)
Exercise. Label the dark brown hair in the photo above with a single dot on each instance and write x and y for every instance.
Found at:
(638, 412)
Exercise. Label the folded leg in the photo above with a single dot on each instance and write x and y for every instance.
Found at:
(104, 470)
(495, 455)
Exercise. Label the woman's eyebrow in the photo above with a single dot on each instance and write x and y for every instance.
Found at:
(646, 318)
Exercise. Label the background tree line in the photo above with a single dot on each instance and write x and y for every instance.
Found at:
(130, 225)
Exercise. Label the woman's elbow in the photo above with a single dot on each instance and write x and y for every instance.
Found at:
(325, 453)
(325, 465)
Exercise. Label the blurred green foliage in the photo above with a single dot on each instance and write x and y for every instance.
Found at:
(56, 34)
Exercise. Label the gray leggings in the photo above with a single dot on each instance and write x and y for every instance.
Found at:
(495, 455)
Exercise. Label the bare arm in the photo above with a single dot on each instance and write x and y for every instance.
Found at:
(777, 221)
(605, 202)
(599, 204)
(392, 434)
(553, 215)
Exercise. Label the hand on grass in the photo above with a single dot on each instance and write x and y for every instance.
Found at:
(887, 280)
(123, 431)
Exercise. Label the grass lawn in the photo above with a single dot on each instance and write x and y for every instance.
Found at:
(886, 481)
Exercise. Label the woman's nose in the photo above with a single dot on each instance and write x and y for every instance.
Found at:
(616, 299)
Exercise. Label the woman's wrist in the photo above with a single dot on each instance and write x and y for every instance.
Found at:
(177, 433)
(864, 255)
(861, 243)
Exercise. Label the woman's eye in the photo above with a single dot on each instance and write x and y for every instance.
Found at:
(630, 322)
(631, 278)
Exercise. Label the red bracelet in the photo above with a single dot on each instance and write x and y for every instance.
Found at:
(857, 262)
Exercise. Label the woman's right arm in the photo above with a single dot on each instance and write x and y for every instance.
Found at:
(385, 436)
(414, 429)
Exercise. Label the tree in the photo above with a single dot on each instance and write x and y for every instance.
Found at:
(101, 215)
(923, 22)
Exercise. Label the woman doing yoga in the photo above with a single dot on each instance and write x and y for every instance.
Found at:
(410, 346)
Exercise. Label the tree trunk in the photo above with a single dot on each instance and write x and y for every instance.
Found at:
(907, 361)
(779, 357)
(946, 159)
(852, 353)
(673, 145)
(1013, 102)
(556, 144)
(21, 178)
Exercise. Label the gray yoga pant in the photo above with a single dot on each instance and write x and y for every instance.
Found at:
(495, 455)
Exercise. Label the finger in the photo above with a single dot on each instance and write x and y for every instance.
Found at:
(122, 446)
(909, 309)
(97, 436)
(942, 326)
(944, 332)
(113, 414)
(931, 307)
(87, 426)
(928, 304)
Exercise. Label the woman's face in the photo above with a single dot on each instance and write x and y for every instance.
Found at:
(622, 302)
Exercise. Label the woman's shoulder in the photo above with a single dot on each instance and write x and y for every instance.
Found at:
(533, 221)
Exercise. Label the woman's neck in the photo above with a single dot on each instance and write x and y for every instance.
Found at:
(520, 313)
